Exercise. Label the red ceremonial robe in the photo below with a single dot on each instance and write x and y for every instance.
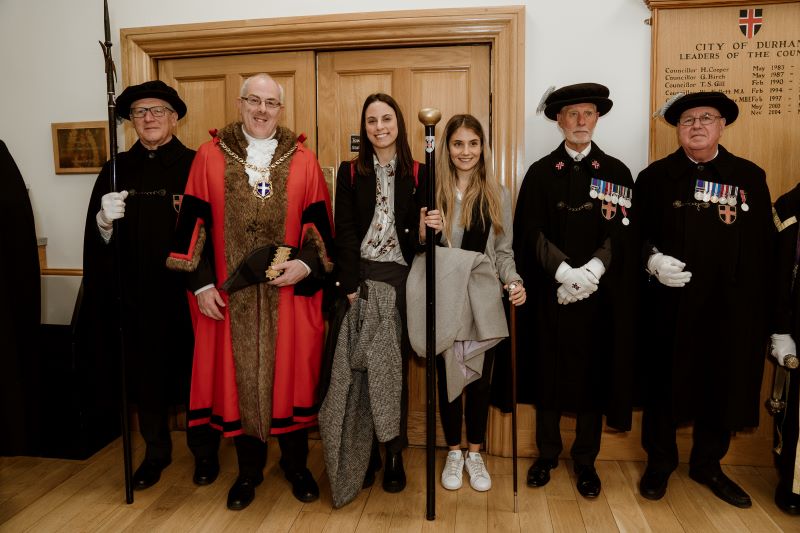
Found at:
(256, 371)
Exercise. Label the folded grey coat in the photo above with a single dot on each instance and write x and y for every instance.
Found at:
(469, 313)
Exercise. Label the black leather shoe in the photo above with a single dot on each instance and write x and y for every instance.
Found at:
(539, 472)
(394, 475)
(588, 481)
(148, 474)
(304, 488)
(653, 484)
(787, 501)
(242, 492)
(206, 470)
(723, 488)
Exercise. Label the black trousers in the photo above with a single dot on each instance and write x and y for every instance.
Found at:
(251, 453)
(588, 431)
(395, 275)
(476, 397)
(203, 441)
(710, 442)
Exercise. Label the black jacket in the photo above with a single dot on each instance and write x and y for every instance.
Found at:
(355, 207)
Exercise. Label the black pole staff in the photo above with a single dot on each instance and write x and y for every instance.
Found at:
(429, 118)
(111, 73)
(513, 312)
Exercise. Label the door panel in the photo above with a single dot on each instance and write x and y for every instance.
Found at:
(454, 79)
(210, 87)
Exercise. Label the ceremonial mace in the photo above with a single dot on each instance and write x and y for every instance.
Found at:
(111, 73)
(429, 118)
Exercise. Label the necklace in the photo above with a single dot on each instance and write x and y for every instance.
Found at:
(263, 187)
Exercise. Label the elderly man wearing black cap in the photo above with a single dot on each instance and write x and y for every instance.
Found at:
(151, 177)
(573, 214)
(708, 230)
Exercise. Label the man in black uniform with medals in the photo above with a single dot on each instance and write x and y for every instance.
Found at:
(786, 329)
(572, 241)
(708, 233)
(151, 177)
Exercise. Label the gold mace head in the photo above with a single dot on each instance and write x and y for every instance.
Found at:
(429, 116)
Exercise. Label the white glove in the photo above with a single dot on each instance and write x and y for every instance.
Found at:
(578, 282)
(112, 208)
(564, 297)
(782, 345)
(668, 270)
(596, 268)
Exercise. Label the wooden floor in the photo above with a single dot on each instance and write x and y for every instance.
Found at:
(45, 495)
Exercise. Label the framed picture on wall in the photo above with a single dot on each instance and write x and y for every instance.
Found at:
(80, 147)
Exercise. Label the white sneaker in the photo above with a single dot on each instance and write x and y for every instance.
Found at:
(479, 478)
(453, 468)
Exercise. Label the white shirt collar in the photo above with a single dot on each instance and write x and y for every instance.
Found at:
(572, 153)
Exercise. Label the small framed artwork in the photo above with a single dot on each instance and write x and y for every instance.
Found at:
(80, 147)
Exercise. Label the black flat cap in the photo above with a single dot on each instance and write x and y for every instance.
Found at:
(726, 107)
(149, 89)
(580, 93)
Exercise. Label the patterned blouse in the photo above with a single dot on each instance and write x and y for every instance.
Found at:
(380, 243)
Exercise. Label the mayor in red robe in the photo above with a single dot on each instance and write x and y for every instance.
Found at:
(258, 341)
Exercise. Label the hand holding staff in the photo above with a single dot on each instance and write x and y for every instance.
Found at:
(429, 118)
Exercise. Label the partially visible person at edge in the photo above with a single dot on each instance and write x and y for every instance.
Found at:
(574, 245)
(151, 177)
(258, 349)
(786, 331)
(474, 211)
(708, 235)
(378, 200)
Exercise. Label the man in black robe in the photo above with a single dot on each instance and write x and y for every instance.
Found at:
(19, 318)
(157, 330)
(786, 329)
(707, 225)
(572, 242)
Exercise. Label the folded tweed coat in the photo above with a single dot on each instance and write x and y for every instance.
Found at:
(364, 390)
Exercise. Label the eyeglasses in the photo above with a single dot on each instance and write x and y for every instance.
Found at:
(255, 101)
(157, 111)
(705, 119)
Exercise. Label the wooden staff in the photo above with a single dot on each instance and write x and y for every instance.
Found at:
(429, 118)
(111, 74)
(513, 313)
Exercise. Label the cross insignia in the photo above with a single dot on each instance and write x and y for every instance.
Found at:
(263, 189)
(595, 164)
(560, 165)
(576, 286)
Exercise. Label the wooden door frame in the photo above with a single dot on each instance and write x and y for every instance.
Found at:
(501, 27)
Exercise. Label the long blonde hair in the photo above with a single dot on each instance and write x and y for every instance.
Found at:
(483, 190)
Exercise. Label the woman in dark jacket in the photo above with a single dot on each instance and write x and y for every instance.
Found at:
(377, 219)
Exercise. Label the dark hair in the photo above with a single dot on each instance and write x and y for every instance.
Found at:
(364, 163)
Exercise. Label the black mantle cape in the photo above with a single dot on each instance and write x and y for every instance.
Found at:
(578, 357)
(157, 325)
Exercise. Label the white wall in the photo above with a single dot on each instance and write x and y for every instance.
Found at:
(53, 72)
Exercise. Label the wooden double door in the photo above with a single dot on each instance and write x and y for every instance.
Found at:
(324, 94)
